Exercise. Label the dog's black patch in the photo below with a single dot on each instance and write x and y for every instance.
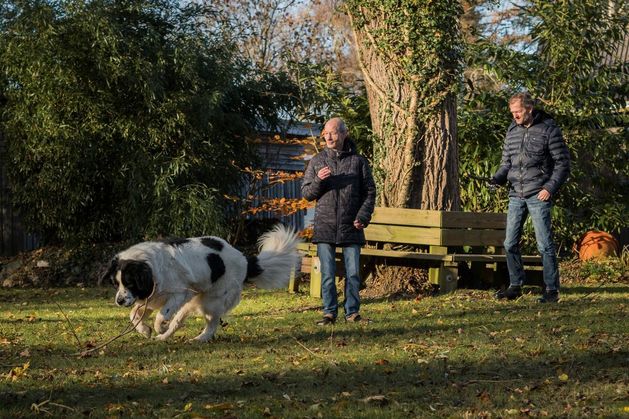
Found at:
(216, 265)
(137, 277)
(174, 241)
(212, 243)
(253, 267)
(110, 275)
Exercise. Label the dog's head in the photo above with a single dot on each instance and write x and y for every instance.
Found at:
(132, 278)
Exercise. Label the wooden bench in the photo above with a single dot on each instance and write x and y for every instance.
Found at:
(439, 240)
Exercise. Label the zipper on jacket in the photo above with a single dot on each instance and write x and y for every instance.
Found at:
(337, 192)
(525, 139)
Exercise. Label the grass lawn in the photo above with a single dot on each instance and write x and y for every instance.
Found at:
(457, 355)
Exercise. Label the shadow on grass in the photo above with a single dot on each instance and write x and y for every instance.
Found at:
(415, 383)
(593, 290)
(444, 384)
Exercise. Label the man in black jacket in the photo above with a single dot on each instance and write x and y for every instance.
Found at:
(341, 182)
(536, 162)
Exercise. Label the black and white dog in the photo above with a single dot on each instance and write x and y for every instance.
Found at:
(202, 274)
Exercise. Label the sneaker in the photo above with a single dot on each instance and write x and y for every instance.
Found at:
(326, 320)
(551, 296)
(510, 293)
(356, 318)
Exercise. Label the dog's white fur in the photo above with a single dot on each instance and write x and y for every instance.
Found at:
(184, 281)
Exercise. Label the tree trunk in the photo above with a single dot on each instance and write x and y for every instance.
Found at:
(415, 150)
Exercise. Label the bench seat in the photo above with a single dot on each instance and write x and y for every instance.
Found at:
(444, 238)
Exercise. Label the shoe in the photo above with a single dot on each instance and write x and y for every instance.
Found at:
(356, 318)
(551, 296)
(510, 293)
(326, 320)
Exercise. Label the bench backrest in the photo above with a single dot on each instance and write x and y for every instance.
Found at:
(438, 228)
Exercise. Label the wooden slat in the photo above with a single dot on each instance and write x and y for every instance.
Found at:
(474, 220)
(405, 216)
(403, 234)
(404, 255)
(433, 236)
(429, 218)
(468, 257)
(450, 237)
(455, 257)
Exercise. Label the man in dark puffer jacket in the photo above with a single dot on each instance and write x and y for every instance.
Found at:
(536, 162)
(341, 182)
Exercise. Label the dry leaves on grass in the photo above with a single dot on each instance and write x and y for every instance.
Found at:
(18, 372)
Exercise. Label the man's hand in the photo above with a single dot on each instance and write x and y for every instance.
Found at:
(358, 225)
(543, 195)
(324, 173)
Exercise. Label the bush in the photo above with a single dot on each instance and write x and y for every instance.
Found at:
(123, 118)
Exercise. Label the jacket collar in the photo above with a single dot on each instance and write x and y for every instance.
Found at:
(349, 148)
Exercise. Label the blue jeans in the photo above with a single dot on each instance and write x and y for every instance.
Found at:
(351, 257)
(519, 208)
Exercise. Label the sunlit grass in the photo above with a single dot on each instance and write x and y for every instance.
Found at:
(462, 354)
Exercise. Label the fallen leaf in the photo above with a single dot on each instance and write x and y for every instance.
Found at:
(219, 406)
(18, 372)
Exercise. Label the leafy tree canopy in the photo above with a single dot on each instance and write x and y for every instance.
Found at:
(123, 117)
(564, 53)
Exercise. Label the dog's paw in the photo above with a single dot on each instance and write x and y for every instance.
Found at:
(145, 331)
(162, 336)
(202, 338)
(161, 327)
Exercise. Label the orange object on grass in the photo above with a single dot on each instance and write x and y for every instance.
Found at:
(597, 244)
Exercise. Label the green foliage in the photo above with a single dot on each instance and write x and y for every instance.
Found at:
(586, 98)
(322, 95)
(608, 270)
(123, 117)
(482, 121)
(566, 65)
(420, 39)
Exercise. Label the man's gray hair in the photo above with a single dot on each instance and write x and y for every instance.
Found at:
(524, 98)
(340, 122)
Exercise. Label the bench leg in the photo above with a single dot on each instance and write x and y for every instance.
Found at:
(445, 276)
(315, 278)
(293, 283)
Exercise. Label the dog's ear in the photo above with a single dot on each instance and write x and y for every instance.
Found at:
(109, 275)
(138, 277)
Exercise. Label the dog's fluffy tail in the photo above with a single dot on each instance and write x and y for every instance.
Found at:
(277, 259)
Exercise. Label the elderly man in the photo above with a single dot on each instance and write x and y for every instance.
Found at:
(341, 182)
(536, 162)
